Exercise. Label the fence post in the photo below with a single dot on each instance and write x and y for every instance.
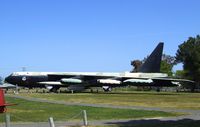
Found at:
(7, 120)
(51, 122)
(85, 122)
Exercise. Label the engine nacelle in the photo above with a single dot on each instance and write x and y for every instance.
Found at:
(70, 81)
(176, 84)
(138, 81)
(109, 81)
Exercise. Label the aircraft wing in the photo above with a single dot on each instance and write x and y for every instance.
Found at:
(163, 82)
(113, 81)
(85, 77)
(174, 80)
(66, 80)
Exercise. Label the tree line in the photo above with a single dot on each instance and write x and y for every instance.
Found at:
(188, 54)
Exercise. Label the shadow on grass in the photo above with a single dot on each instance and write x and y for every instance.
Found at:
(158, 123)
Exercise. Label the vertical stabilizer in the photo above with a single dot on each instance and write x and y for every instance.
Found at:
(152, 64)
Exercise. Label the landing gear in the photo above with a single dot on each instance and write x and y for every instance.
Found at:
(54, 89)
(107, 88)
(158, 89)
(16, 91)
(91, 90)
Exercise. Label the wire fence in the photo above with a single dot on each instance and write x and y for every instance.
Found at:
(77, 119)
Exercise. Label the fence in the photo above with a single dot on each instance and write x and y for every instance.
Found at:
(69, 121)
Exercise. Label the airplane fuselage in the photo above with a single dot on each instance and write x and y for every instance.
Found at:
(43, 79)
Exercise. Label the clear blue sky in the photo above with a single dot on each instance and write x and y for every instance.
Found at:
(90, 35)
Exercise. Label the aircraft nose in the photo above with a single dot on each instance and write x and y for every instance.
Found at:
(8, 79)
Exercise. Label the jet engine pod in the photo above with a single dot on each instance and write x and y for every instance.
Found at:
(70, 81)
(138, 81)
(108, 81)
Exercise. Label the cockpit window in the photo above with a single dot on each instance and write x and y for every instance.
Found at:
(14, 74)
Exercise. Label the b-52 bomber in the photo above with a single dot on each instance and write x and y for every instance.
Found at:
(147, 75)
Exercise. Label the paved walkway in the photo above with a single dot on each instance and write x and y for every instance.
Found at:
(191, 114)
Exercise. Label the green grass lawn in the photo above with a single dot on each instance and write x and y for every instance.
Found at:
(28, 111)
(146, 99)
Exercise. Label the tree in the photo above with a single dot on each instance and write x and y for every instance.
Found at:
(136, 65)
(167, 64)
(188, 53)
(166, 68)
(169, 59)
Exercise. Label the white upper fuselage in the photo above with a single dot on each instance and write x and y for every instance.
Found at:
(125, 74)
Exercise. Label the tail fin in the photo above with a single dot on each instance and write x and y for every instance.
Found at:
(152, 64)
